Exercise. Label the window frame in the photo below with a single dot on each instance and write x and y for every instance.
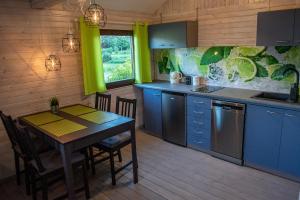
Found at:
(126, 82)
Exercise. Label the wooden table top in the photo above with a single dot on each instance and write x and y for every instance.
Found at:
(89, 129)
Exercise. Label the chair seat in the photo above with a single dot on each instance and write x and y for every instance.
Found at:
(116, 140)
(52, 161)
(40, 145)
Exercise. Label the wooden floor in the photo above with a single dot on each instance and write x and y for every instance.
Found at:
(167, 171)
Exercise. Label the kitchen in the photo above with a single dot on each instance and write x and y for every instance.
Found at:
(217, 110)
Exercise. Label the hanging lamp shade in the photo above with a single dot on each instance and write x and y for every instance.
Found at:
(94, 15)
(52, 63)
(70, 43)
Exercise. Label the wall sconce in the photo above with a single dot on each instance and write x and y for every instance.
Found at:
(70, 44)
(52, 63)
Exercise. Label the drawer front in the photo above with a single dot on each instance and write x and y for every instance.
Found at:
(199, 143)
(195, 123)
(200, 114)
(198, 102)
(197, 133)
(152, 92)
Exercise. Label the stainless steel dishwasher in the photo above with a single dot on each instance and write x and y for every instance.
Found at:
(173, 112)
(228, 131)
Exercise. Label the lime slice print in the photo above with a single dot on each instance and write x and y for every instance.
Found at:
(244, 66)
(249, 51)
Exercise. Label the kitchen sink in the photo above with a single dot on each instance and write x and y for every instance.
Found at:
(272, 96)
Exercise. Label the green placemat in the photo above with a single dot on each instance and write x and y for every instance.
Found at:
(99, 117)
(62, 127)
(77, 110)
(42, 118)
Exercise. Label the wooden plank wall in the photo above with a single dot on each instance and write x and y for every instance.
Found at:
(27, 36)
(221, 22)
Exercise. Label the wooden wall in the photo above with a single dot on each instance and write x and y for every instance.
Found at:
(221, 22)
(27, 36)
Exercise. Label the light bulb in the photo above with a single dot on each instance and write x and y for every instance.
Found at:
(95, 18)
(52, 63)
(71, 44)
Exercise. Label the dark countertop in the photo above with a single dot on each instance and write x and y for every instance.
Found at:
(230, 94)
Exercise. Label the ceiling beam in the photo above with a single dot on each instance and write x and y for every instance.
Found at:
(44, 3)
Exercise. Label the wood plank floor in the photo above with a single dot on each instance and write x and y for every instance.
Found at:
(167, 171)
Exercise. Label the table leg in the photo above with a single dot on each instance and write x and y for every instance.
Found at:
(134, 155)
(66, 154)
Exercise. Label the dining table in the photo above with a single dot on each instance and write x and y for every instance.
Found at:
(76, 127)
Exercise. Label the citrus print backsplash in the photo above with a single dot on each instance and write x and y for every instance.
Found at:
(259, 68)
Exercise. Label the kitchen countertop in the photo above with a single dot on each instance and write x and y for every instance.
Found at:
(230, 94)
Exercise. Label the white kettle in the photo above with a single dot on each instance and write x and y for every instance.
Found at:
(175, 77)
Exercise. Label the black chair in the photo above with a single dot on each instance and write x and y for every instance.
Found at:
(103, 101)
(47, 168)
(41, 147)
(113, 145)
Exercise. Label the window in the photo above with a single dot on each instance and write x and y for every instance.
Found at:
(117, 57)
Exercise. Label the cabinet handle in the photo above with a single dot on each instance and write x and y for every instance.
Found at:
(199, 132)
(162, 45)
(198, 102)
(271, 113)
(200, 123)
(156, 94)
(288, 115)
(283, 41)
(197, 112)
(199, 142)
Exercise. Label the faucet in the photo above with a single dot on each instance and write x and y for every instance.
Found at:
(294, 93)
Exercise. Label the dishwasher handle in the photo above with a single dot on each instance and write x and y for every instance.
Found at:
(228, 105)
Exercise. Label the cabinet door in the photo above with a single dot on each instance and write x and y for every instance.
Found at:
(275, 28)
(170, 35)
(262, 136)
(289, 159)
(297, 28)
(152, 111)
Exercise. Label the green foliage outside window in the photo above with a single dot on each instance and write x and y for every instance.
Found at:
(117, 57)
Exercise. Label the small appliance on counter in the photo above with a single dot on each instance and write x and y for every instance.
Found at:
(175, 77)
(187, 80)
(196, 80)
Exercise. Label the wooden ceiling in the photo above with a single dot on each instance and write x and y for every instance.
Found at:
(142, 6)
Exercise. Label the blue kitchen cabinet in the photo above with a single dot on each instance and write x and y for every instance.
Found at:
(152, 112)
(289, 159)
(199, 123)
(262, 137)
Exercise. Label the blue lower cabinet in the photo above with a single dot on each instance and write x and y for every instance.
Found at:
(152, 111)
(262, 136)
(198, 123)
(289, 159)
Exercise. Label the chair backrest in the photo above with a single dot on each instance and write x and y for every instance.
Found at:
(9, 128)
(103, 102)
(28, 147)
(126, 107)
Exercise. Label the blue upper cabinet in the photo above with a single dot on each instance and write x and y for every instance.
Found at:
(275, 28)
(289, 159)
(262, 136)
(152, 111)
(297, 28)
(199, 123)
(173, 35)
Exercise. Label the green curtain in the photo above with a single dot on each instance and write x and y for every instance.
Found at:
(93, 73)
(142, 53)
